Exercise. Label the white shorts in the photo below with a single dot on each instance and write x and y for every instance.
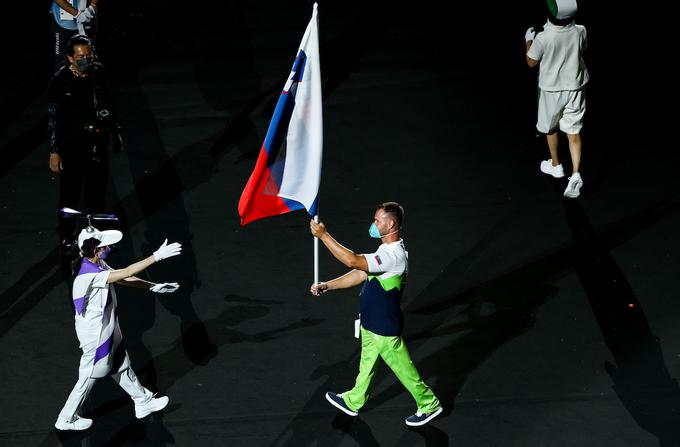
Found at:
(565, 108)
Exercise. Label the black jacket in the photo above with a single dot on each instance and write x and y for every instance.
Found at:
(74, 104)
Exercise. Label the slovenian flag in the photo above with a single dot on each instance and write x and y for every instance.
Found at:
(288, 170)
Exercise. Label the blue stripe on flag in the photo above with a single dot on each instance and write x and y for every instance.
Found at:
(299, 67)
(292, 204)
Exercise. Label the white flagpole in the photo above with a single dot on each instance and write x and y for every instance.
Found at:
(316, 217)
(316, 254)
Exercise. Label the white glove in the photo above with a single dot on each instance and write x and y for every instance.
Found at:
(90, 12)
(164, 287)
(82, 17)
(167, 251)
(530, 34)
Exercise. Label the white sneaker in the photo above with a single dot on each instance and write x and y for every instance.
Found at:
(574, 186)
(548, 168)
(155, 404)
(77, 424)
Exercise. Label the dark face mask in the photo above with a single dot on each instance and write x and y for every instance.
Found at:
(84, 65)
(105, 252)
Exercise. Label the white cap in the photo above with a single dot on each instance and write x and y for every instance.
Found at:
(106, 237)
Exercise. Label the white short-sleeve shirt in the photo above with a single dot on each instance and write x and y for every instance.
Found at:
(560, 52)
(389, 260)
(380, 298)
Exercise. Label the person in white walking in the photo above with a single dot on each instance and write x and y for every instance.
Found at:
(558, 50)
(96, 322)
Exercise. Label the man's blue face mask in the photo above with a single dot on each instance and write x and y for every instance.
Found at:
(373, 231)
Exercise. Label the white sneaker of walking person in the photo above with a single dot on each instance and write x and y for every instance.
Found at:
(153, 405)
(574, 187)
(77, 424)
(548, 168)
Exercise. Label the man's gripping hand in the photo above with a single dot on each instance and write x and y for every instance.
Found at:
(317, 229)
(319, 288)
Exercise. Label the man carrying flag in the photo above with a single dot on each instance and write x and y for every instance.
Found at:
(288, 170)
(383, 274)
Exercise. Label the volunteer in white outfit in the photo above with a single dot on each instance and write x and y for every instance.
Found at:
(96, 321)
(71, 17)
(562, 79)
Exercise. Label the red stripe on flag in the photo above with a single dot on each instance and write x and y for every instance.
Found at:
(259, 198)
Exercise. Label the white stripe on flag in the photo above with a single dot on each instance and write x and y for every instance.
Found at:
(304, 141)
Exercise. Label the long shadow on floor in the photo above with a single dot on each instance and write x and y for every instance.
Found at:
(641, 378)
(303, 429)
(22, 145)
(162, 212)
(15, 302)
(149, 432)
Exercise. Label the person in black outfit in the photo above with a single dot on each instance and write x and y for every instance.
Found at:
(81, 123)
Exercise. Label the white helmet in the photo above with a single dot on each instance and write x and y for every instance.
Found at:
(562, 9)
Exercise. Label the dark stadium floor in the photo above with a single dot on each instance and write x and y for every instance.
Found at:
(538, 321)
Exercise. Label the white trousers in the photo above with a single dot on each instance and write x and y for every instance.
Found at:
(125, 377)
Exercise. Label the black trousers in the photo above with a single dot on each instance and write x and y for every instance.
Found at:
(84, 177)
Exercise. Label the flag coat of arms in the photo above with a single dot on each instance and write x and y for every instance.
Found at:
(288, 169)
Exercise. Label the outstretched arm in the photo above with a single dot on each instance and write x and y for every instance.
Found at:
(342, 254)
(161, 287)
(349, 279)
(131, 270)
(135, 282)
(165, 251)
